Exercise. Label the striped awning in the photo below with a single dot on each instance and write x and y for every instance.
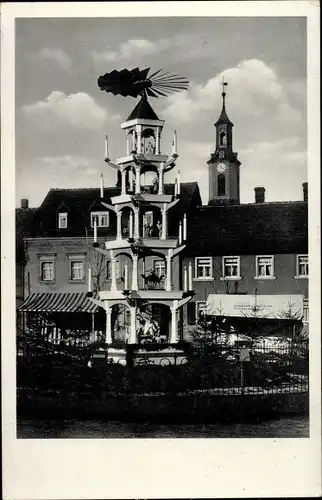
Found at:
(58, 302)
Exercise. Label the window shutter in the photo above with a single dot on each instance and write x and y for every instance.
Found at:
(191, 312)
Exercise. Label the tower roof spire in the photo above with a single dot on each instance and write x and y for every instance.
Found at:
(223, 117)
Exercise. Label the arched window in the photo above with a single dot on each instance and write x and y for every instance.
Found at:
(221, 185)
(148, 141)
(222, 139)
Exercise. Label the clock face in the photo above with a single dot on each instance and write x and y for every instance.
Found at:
(221, 167)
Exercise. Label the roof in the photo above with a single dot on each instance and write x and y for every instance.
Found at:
(143, 110)
(223, 118)
(80, 202)
(255, 228)
(58, 302)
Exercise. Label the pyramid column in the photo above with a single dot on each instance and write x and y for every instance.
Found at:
(160, 179)
(133, 336)
(113, 273)
(137, 180)
(174, 323)
(139, 138)
(157, 141)
(168, 281)
(108, 331)
(164, 222)
(136, 223)
(135, 272)
(119, 225)
(123, 174)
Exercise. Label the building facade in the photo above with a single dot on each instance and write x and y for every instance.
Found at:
(257, 250)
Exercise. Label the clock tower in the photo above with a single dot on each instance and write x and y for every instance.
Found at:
(223, 163)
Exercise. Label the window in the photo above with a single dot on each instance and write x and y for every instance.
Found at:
(302, 266)
(47, 270)
(203, 267)
(305, 310)
(47, 267)
(102, 219)
(76, 267)
(265, 266)
(231, 267)
(222, 139)
(62, 220)
(201, 308)
(221, 185)
(159, 267)
(77, 270)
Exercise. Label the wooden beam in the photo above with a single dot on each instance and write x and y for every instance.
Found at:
(178, 250)
(110, 207)
(172, 204)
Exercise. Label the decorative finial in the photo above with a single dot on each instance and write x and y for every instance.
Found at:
(223, 84)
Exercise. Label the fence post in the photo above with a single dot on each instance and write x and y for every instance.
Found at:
(242, 376)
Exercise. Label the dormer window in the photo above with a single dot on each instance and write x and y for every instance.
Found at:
(62, 220)
(102, 219)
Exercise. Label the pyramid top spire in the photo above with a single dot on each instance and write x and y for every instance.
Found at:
(143, 110)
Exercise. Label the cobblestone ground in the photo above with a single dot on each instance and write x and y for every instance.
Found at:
(292, 427)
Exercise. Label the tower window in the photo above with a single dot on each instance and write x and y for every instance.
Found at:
(222, 139)
(221, 185)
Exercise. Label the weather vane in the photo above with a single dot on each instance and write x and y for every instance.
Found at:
(138, 82)
(223, 84)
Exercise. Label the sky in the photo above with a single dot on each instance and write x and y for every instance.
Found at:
(62, 116)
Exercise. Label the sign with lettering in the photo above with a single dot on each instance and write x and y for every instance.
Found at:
(256, 306)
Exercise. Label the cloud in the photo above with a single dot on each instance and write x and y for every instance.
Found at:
(127, 50)
(56, 55)
(255, 93)
(76, 110)
(181, 47)
(276, 165)
(69, 164)
(65, 162)
(61, 171)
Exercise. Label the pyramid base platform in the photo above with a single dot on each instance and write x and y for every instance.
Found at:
(142, 355)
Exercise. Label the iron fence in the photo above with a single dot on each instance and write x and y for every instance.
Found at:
(210, 370)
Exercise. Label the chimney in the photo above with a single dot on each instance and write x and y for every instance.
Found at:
(305, 191)
(259, 195)
(24, 203)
